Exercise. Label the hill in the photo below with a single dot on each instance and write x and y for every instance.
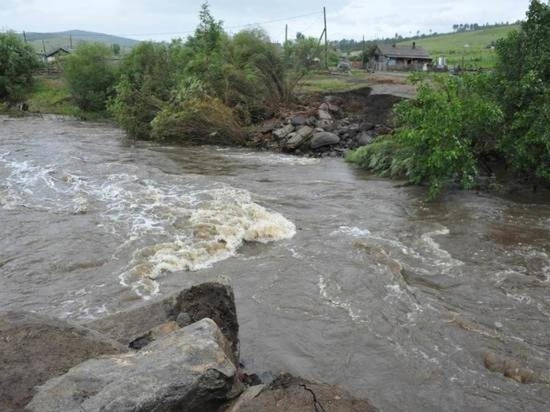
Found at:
(471, 49)
(64, 39)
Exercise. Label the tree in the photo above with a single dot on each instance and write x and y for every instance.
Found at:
(523, 89)
(146, 81)
(17, 63)
(91, 76)
(116, 49)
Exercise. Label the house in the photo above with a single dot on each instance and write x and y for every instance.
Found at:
(394, 57)
(54, 55)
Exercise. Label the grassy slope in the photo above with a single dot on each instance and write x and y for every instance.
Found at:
(50, 94)
(476, 55)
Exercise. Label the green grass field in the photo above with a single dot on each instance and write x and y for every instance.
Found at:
(470, 49)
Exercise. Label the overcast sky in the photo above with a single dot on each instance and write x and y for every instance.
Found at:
(164, 19)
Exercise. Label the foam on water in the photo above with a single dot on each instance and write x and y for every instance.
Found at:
(215, 230)
(184, 225)
(271, 158)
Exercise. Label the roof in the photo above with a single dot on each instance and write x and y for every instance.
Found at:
(57, 51)
(404, 52)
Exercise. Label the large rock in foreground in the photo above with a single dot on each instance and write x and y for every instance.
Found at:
(211, 300)
(189, 369)
(35, 348)
(291, 394)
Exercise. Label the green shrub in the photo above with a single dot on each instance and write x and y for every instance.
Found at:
(146, 82)
(90, 75)
(440, 135)
(17, 64)
(523, 90)
(386, 157)
(193, 116)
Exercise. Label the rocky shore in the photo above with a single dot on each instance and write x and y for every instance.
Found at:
(177, 354)
(329, 125)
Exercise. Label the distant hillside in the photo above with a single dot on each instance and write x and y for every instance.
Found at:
(63, 39)
(472, 48)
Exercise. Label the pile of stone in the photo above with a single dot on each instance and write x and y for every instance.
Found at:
(178, 354)
(324, 132)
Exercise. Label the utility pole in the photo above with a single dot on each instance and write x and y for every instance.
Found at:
(286, 33)
(363, 57)
(25, 37)
(43, 47)
(326, 38)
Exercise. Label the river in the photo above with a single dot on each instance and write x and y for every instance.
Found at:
(339, 276)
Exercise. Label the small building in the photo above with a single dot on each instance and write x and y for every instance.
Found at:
(54, 55)
(404, 58)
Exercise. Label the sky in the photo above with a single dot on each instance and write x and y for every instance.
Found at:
(166, 19)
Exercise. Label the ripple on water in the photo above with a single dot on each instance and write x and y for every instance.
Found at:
(184, 225)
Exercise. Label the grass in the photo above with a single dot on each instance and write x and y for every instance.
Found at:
(323, 82)
(469, 49)
(50, 94)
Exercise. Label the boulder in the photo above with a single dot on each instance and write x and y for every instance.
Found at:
(35, 348)
(298, 120)
(268, 126)
(324, 114)
(290, 394)
(283, 131)
(364, 138)
(211, 300)
(323, 124)
(297, 138)
(189, 370)
(323, 139)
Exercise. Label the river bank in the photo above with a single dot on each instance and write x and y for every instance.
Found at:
(180, 353)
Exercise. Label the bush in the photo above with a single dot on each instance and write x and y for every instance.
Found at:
(17, 63)
(386, 157)
(440, 135)
(523, 90)
(91, 76)
(146, 83)
(194, 116)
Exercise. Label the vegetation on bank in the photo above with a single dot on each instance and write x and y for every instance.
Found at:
(457, 125)
(17, 65)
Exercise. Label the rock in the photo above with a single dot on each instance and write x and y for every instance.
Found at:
(323, 124)
(383, 130)
(364, 139)
(207, 300)
(154, 334)
(367, 126)
(283, 131)
(324, 114)
(35, 348)
(298, 120)
(289, 394)
(300, 136)
(510, 368)
(332, 108)
(189, 369)
(183, 319)
(323, 139)
(248, 395)
(268, 126)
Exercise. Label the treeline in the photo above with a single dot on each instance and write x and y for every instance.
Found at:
(207, 87)
(464, 27)
(459, 126)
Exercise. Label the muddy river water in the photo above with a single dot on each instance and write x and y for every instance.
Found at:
(339, 276)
